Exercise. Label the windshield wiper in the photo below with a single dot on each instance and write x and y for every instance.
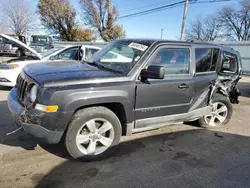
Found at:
(109, 69)
(100, 66)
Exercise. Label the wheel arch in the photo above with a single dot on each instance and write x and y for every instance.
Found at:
(116, 107)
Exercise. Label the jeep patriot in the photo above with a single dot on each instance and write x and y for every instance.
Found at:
(130, 86)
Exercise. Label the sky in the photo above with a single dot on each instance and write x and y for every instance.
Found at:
(150, 26)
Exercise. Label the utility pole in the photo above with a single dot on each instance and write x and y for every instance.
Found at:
(161, 33)
(184, 20)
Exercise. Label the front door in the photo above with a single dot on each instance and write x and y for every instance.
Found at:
(159, 101)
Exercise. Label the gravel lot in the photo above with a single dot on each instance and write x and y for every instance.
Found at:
(177, 156)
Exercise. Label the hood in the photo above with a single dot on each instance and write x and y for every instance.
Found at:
(22, 44)
(65, 71)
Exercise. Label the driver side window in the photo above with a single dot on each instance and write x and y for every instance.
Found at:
(69, 54)
(175, 60)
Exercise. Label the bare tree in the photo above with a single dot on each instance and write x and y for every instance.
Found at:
(236, 22)
(101, 15)
(3, 28)
(206, 29)
(18, 16)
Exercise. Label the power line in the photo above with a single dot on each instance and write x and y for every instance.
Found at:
(207, 1)
(137, 8)
(180, 3)
(152, 10)
(156, 11)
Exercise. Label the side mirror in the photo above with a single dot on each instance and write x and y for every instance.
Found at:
(154, 72)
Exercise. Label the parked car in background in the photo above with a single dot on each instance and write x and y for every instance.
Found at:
(9, 70)
(154, 83)
(41, 43)
(8, 47)
(20, 38)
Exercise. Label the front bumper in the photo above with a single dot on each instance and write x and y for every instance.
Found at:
(7, 84)
(10, 75)
(32, 121)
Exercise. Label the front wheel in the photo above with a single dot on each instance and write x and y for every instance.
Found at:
(93, 134)
(221, 113)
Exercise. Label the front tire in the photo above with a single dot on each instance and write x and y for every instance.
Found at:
(93, 134)
(221, 114)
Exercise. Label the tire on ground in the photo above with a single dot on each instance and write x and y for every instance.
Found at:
(221, 99)
(79, 119)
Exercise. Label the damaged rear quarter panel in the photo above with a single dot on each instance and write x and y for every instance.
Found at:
(202, 89)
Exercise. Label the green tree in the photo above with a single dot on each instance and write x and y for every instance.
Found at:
(59, 16)
(102, 16)
(84, 35)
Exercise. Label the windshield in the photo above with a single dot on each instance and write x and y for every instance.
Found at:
(51, 51)
(5, 41)
(41, 39)
(119, 56)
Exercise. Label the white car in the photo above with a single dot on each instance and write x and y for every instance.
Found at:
(10, 70)
(112, 57)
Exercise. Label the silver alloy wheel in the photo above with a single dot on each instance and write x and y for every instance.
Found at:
(95, 136)
(218, 115)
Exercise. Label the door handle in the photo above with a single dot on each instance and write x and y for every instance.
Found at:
(183, 86)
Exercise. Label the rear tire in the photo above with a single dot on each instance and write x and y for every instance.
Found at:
(221, 115)
(93, 134)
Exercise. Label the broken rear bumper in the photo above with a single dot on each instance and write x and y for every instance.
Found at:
(32, 121)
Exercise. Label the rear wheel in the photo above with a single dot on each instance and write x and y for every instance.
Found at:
(221, 113)
(93, 134)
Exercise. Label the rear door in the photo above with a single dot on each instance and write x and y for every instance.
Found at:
(160, 101)
(206, 60)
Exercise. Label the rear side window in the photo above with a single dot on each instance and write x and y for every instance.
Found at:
(214, 59)
(229, 63)
(206, 59)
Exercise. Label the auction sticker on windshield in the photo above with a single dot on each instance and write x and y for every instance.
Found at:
(138, 46)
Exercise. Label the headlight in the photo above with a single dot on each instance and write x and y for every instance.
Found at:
(12, 66)
(33, 93)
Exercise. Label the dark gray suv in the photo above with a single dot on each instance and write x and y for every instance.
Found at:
(129, 86)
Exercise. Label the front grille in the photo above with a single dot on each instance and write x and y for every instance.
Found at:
(21, 85)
